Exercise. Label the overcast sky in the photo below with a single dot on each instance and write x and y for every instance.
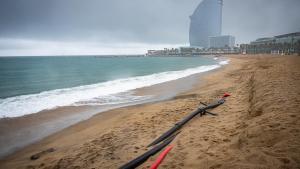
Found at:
(42, 27)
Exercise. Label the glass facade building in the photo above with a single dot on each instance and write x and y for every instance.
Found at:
(206, 21)
(221, 41)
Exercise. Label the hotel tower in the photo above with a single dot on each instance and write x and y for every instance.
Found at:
(206, 21)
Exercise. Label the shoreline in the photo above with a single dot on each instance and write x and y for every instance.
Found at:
(250, 131)
(23, 131)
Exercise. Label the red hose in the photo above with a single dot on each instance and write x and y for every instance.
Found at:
(226, 95)
(161, 157)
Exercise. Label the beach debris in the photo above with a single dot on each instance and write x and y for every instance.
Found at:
(38, 155)
(142, 158)
(200, 110)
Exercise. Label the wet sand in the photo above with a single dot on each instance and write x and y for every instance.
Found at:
(258, 126)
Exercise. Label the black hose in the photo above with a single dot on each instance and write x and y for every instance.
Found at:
(185, 120)
(141, 159)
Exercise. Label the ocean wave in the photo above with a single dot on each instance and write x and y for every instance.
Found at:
(224, 62)
(110, 92)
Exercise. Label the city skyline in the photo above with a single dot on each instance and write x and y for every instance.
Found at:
(117, 26)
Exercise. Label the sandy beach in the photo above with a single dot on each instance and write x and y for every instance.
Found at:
(257, 127)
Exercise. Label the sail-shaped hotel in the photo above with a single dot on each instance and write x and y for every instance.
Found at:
(206, 21)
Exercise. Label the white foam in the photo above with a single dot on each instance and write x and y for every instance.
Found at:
(86, 95)
(224, 62)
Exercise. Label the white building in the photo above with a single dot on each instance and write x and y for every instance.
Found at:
(221, 41)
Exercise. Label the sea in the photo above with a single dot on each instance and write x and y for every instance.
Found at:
(32, 84)
(40, 96)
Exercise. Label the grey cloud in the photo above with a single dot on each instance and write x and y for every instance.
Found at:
(251, 19)
(144, 21)
(134, 20)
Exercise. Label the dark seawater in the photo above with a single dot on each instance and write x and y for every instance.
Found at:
(31, 84)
